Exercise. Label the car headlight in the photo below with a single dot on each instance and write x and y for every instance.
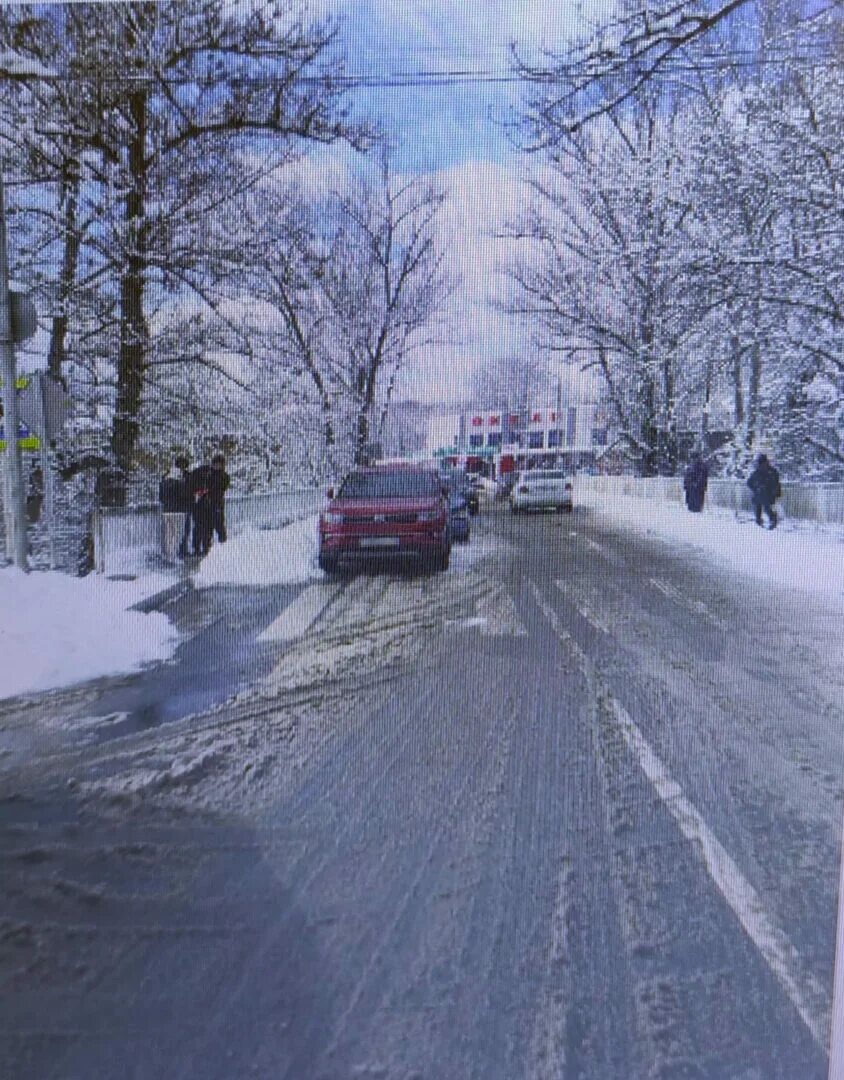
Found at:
(330, 517)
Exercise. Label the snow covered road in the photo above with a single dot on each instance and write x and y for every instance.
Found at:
(571, 810)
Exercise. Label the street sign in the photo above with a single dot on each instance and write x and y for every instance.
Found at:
(24, 318)
(56, 406)
(44, 405)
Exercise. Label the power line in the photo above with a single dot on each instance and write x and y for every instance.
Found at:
(425, 78)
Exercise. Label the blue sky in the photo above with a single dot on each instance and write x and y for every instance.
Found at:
(455, 135)
(438, 127)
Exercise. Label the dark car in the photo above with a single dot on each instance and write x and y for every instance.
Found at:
(461, 483)
(458, 516)
(386, 512)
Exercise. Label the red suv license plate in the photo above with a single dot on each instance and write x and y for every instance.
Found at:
(379, 542)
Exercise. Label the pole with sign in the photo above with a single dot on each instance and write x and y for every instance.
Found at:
(47, 473)
(16, 545)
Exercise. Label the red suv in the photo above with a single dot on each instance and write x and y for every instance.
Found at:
(389, 511)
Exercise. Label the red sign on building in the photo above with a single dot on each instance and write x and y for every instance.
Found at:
(537, 418)
(477, 421)
(494, 421)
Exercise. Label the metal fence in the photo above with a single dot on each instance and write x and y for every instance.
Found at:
(127, 541)
(812, 502)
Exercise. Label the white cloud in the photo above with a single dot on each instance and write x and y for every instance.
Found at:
(482, 197)
(484, 31)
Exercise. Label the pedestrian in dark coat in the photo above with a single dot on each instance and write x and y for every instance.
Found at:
(764, 483)
(176, 509)
(209, 484)
(695, 479)
(220, 481)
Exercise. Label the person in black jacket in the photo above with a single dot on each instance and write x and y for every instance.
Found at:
(764, 483)
(209, 484)
(176, 509)
(695, 479)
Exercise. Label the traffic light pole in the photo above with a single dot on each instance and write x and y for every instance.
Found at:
(16, 543)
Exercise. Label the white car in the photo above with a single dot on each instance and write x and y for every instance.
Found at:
(541, 489)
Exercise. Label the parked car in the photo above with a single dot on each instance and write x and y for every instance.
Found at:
(461, 483)
(386, 512)
(542, 489)
(458, 517)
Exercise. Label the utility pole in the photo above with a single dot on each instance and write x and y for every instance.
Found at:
(16, 545)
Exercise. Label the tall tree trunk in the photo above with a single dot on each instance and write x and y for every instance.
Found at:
(325, 402)
(650, 435)
(134, 337)
(669, 452)
(754, 383)
(67, 275)
(707, 402)
(738, 389)
(366, 388)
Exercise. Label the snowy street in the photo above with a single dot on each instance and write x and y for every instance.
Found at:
(571, 809)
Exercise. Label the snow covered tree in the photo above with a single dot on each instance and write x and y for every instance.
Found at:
(154, 103)
(385, 284)
(604, 268)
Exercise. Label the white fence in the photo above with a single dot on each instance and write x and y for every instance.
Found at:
(126, 541)
(813, 502)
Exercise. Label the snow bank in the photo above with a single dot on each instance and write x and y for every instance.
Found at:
(804, 556)
(57, 630)
(263, 557)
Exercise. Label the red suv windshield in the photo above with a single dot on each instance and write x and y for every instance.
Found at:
(401, 484)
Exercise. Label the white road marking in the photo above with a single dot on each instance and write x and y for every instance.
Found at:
(806, 993)
(593, 544)
(583, 608)
(498, 617)
(679, 597)
(836, 1048)
(299, 616)
(803, 990)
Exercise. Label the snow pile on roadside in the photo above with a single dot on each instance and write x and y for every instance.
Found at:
(263, 557)
(57, 630)
(806, 556)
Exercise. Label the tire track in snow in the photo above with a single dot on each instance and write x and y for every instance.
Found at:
(802, 989)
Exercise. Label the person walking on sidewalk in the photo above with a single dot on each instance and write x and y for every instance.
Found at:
(764, 483)
(176, 506)
(695, 479)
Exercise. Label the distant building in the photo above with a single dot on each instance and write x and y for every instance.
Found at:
(504, 438)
